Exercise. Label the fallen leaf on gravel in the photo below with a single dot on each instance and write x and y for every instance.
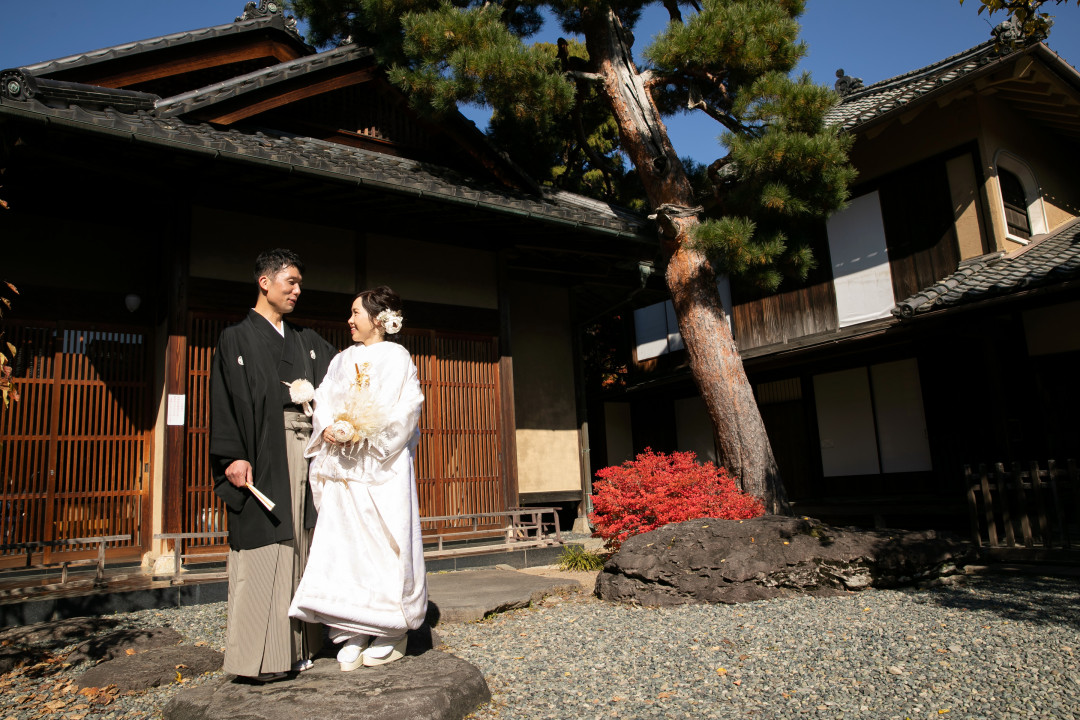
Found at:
(665, 695)
(736, 682)
(130, 651)
(721, 671)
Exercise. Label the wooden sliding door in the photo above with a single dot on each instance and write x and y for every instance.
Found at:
(75, 450)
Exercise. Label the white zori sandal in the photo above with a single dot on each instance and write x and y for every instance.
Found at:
(350, 656)
(384, 650)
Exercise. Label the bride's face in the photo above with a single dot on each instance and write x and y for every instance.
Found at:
(362, 328)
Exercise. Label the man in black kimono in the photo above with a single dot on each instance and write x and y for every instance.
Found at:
(258, 433)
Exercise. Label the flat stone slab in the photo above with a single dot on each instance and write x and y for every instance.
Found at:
(431, 686)
(152, 668)
(470, 595)
(121, 643)
(56, 633)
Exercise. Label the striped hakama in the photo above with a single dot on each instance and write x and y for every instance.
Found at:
(260, 636)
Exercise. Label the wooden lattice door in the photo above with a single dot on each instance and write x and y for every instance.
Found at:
(459, 470)
(76, 448)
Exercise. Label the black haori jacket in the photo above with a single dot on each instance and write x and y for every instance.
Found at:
(247, 400)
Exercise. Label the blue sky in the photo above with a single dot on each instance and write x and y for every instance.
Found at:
(871, 39)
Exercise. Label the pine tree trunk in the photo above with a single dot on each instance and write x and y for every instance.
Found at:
(714, 359)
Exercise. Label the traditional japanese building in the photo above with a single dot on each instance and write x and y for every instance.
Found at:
(941, 328)
(143, 179)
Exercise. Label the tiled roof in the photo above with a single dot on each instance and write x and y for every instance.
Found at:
(873, 101)
(1050, 259)
(48, 67)
(354, 166)
(265, 77)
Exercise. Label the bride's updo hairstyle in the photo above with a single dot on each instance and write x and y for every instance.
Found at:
(376, 301)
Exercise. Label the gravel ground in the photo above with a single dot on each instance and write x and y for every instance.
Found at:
(45, 688)
(989, 647)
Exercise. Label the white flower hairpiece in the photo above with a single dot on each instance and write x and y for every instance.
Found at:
(301, 392)
(390, 320)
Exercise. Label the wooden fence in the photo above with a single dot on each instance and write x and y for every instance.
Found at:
(1025, 507)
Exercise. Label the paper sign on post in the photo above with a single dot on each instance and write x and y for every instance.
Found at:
(175, 412)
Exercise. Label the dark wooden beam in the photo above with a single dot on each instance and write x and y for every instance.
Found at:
(300, 93)
(172, 67)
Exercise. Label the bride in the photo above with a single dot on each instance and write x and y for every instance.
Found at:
(365, 576)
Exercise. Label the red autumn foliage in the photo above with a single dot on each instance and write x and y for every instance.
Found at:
(655, 489)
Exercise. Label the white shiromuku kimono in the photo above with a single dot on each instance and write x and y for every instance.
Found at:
(365, 572)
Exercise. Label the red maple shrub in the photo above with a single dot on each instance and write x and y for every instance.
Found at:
(655, 489)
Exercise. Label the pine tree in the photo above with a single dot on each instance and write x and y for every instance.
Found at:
(731, 59)
(1029, 17)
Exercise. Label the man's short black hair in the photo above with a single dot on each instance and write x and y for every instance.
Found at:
(271, 262)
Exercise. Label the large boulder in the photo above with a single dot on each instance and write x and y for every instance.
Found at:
(732, 561)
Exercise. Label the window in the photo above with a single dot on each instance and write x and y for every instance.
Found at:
(861, 275)
(1021, 198)
(656, 329)
(871, 420)
(1012, 196)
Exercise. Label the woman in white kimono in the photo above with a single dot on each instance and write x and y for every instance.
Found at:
(365, 576)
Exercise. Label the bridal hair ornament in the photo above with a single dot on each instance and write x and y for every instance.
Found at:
(301, 392)
(390, 320)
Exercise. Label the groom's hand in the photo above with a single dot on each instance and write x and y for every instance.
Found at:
(239, 473)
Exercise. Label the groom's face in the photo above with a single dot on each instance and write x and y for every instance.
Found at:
(282, 289)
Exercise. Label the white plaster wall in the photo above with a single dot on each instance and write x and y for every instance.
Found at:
(427, 272)
(548, 444)
(224, 245)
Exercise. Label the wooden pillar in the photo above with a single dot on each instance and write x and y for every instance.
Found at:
(507, 421)
(582, 407)
(176, 373)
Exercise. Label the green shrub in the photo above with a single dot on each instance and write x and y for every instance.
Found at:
(575, 557)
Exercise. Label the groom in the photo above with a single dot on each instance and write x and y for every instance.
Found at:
(258, 433)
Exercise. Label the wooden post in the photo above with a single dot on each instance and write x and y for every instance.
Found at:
(1040, 505)
(973, 506)
(1021, 504)
(1003, 499)
(988, 507)
(508, 420)
(176, 373)
(1059, 507)
(1074, 488)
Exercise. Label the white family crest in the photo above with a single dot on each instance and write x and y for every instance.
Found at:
(239, 359)
(312, 352)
